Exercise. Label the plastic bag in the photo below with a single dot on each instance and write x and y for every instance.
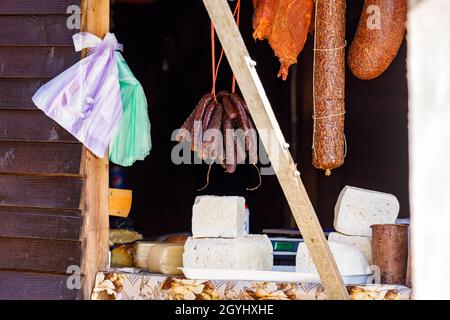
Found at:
(132, 140)
(85, 99)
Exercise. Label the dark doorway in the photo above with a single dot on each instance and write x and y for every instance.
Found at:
(167, 45)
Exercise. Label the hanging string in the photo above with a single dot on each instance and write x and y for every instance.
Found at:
(215, 68)
(259, 177)
(215, 71)
(207, 177)
(213, 62)
(238, 19)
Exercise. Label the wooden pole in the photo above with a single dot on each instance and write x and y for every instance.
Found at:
(277, 148)
(94, 204)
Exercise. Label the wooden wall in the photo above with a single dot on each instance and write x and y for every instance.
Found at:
(40, 180)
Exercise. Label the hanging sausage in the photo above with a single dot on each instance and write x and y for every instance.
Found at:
(378, 38)
(329, 85)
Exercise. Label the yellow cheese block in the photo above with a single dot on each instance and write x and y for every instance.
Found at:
(120, 202)
(121, 236)
(159, 257)
(122, 256)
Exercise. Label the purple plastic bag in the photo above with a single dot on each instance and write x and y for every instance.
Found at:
(85, 99)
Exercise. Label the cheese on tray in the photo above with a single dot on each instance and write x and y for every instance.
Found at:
(159, 257)
(252, 252)
(121, 236)
(215, 216)
(362, 243)
(350, 261)
(357, 209)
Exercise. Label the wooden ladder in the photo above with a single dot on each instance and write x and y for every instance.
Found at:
(278, 150)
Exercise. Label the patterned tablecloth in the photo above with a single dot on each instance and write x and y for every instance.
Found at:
(120, 285)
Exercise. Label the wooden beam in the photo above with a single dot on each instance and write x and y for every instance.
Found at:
(95, 232)
(285, 167)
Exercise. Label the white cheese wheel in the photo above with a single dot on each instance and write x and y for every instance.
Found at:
(350, 261)
(252, 252)
(218, 217)
(357, 209)
(362, 243)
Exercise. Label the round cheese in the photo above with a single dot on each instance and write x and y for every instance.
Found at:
(350, 260)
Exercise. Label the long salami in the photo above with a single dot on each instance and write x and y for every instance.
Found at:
(329, 85)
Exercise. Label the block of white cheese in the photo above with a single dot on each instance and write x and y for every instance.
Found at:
(362, 243)
(357, 209)
(251, 252)
(350, 261)
(218, 217)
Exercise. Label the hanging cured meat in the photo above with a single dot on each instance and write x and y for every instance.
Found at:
(285, 24)
(379, 36)
(329, 85)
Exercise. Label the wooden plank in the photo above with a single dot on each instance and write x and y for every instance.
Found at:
(29, 125)
(36, 62)
(34, 286)
(35, 30)
(39, 254)
(17, 93)
(40, 223)
(45, 157)
(264, 118)
(95, 193)
(40, 191)
(36, 7)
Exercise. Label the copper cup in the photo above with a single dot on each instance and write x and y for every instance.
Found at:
(390, 252)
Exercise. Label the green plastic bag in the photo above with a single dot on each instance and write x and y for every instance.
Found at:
(132, 140)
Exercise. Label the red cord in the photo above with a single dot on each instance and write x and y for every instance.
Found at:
(215, 69)
(238, 18)
(213, 61)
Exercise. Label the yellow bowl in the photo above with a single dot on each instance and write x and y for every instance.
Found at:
(120, 202)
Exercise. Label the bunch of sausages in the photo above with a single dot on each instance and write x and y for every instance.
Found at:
(220, 128)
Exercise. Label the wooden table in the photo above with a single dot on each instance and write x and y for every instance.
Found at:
(140, 285)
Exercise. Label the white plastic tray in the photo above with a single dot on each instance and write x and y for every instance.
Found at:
(274, 276)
